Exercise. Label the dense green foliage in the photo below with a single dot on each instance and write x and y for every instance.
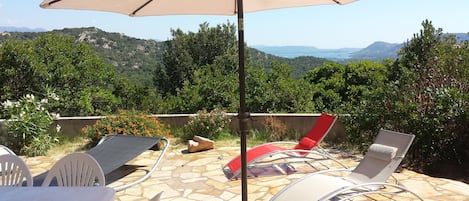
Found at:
(72, 70)
(87, 84)
(426, 94)
(187, 52)
(338, 86)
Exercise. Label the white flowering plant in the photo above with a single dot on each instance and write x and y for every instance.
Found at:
(206, 124)
(29, 125)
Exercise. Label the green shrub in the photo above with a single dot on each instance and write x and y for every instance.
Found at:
(206, 124)
(127, 122)
(29, 126)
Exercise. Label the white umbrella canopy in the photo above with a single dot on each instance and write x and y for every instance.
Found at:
(198, 7)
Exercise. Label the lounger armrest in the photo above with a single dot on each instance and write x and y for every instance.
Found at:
(315, 151)
(283, 142)
(332, 170)
(362, 188)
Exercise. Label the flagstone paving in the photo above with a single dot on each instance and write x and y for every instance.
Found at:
(186, 176)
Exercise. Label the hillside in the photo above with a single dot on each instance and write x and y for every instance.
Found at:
(377, 51)
(301, 64)
(132, 57)
(137, 58)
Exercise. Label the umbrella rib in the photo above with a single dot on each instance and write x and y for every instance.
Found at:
(53, 2)
(138, 9)
(337, 2)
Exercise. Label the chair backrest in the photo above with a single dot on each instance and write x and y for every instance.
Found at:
(14, 172)
(76, 169)
(5, 150)
(382, 157)
(317, 133)
(116, 150)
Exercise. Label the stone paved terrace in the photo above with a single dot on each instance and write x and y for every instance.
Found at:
(198, 176)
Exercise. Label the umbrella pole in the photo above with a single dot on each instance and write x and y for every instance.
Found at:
(243, 116)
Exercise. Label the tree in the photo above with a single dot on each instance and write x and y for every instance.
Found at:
(136, 96)
(188, 51)
(336, 86)
(284, 89)
(21, 73)
(257, 91)
(81, 79)
(328, 86)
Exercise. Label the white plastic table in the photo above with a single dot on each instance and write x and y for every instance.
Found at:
(57, 194)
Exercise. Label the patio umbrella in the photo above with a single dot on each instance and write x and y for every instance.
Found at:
(198, 7)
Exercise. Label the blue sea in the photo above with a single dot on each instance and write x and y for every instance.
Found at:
(297, 51)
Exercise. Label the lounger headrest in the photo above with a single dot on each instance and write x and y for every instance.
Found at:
(306, 143)
(382, 152)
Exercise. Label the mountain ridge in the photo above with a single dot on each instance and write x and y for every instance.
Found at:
(20, 29)
(376, 51)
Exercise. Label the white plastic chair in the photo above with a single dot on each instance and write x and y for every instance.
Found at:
(14, 172)
(76, 169)
(5, 150)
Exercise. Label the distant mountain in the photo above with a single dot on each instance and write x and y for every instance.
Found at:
(20, 29)
(377, 51)
(297, 51)
(461, 37)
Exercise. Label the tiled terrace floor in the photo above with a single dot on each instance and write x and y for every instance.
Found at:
(198, 176)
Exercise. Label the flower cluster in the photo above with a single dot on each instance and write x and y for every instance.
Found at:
(29, 125)
(206, 124)
(127, 122)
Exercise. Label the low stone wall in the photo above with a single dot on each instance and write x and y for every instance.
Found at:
(300, 123)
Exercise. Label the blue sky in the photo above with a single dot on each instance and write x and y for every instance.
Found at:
(355, 25)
